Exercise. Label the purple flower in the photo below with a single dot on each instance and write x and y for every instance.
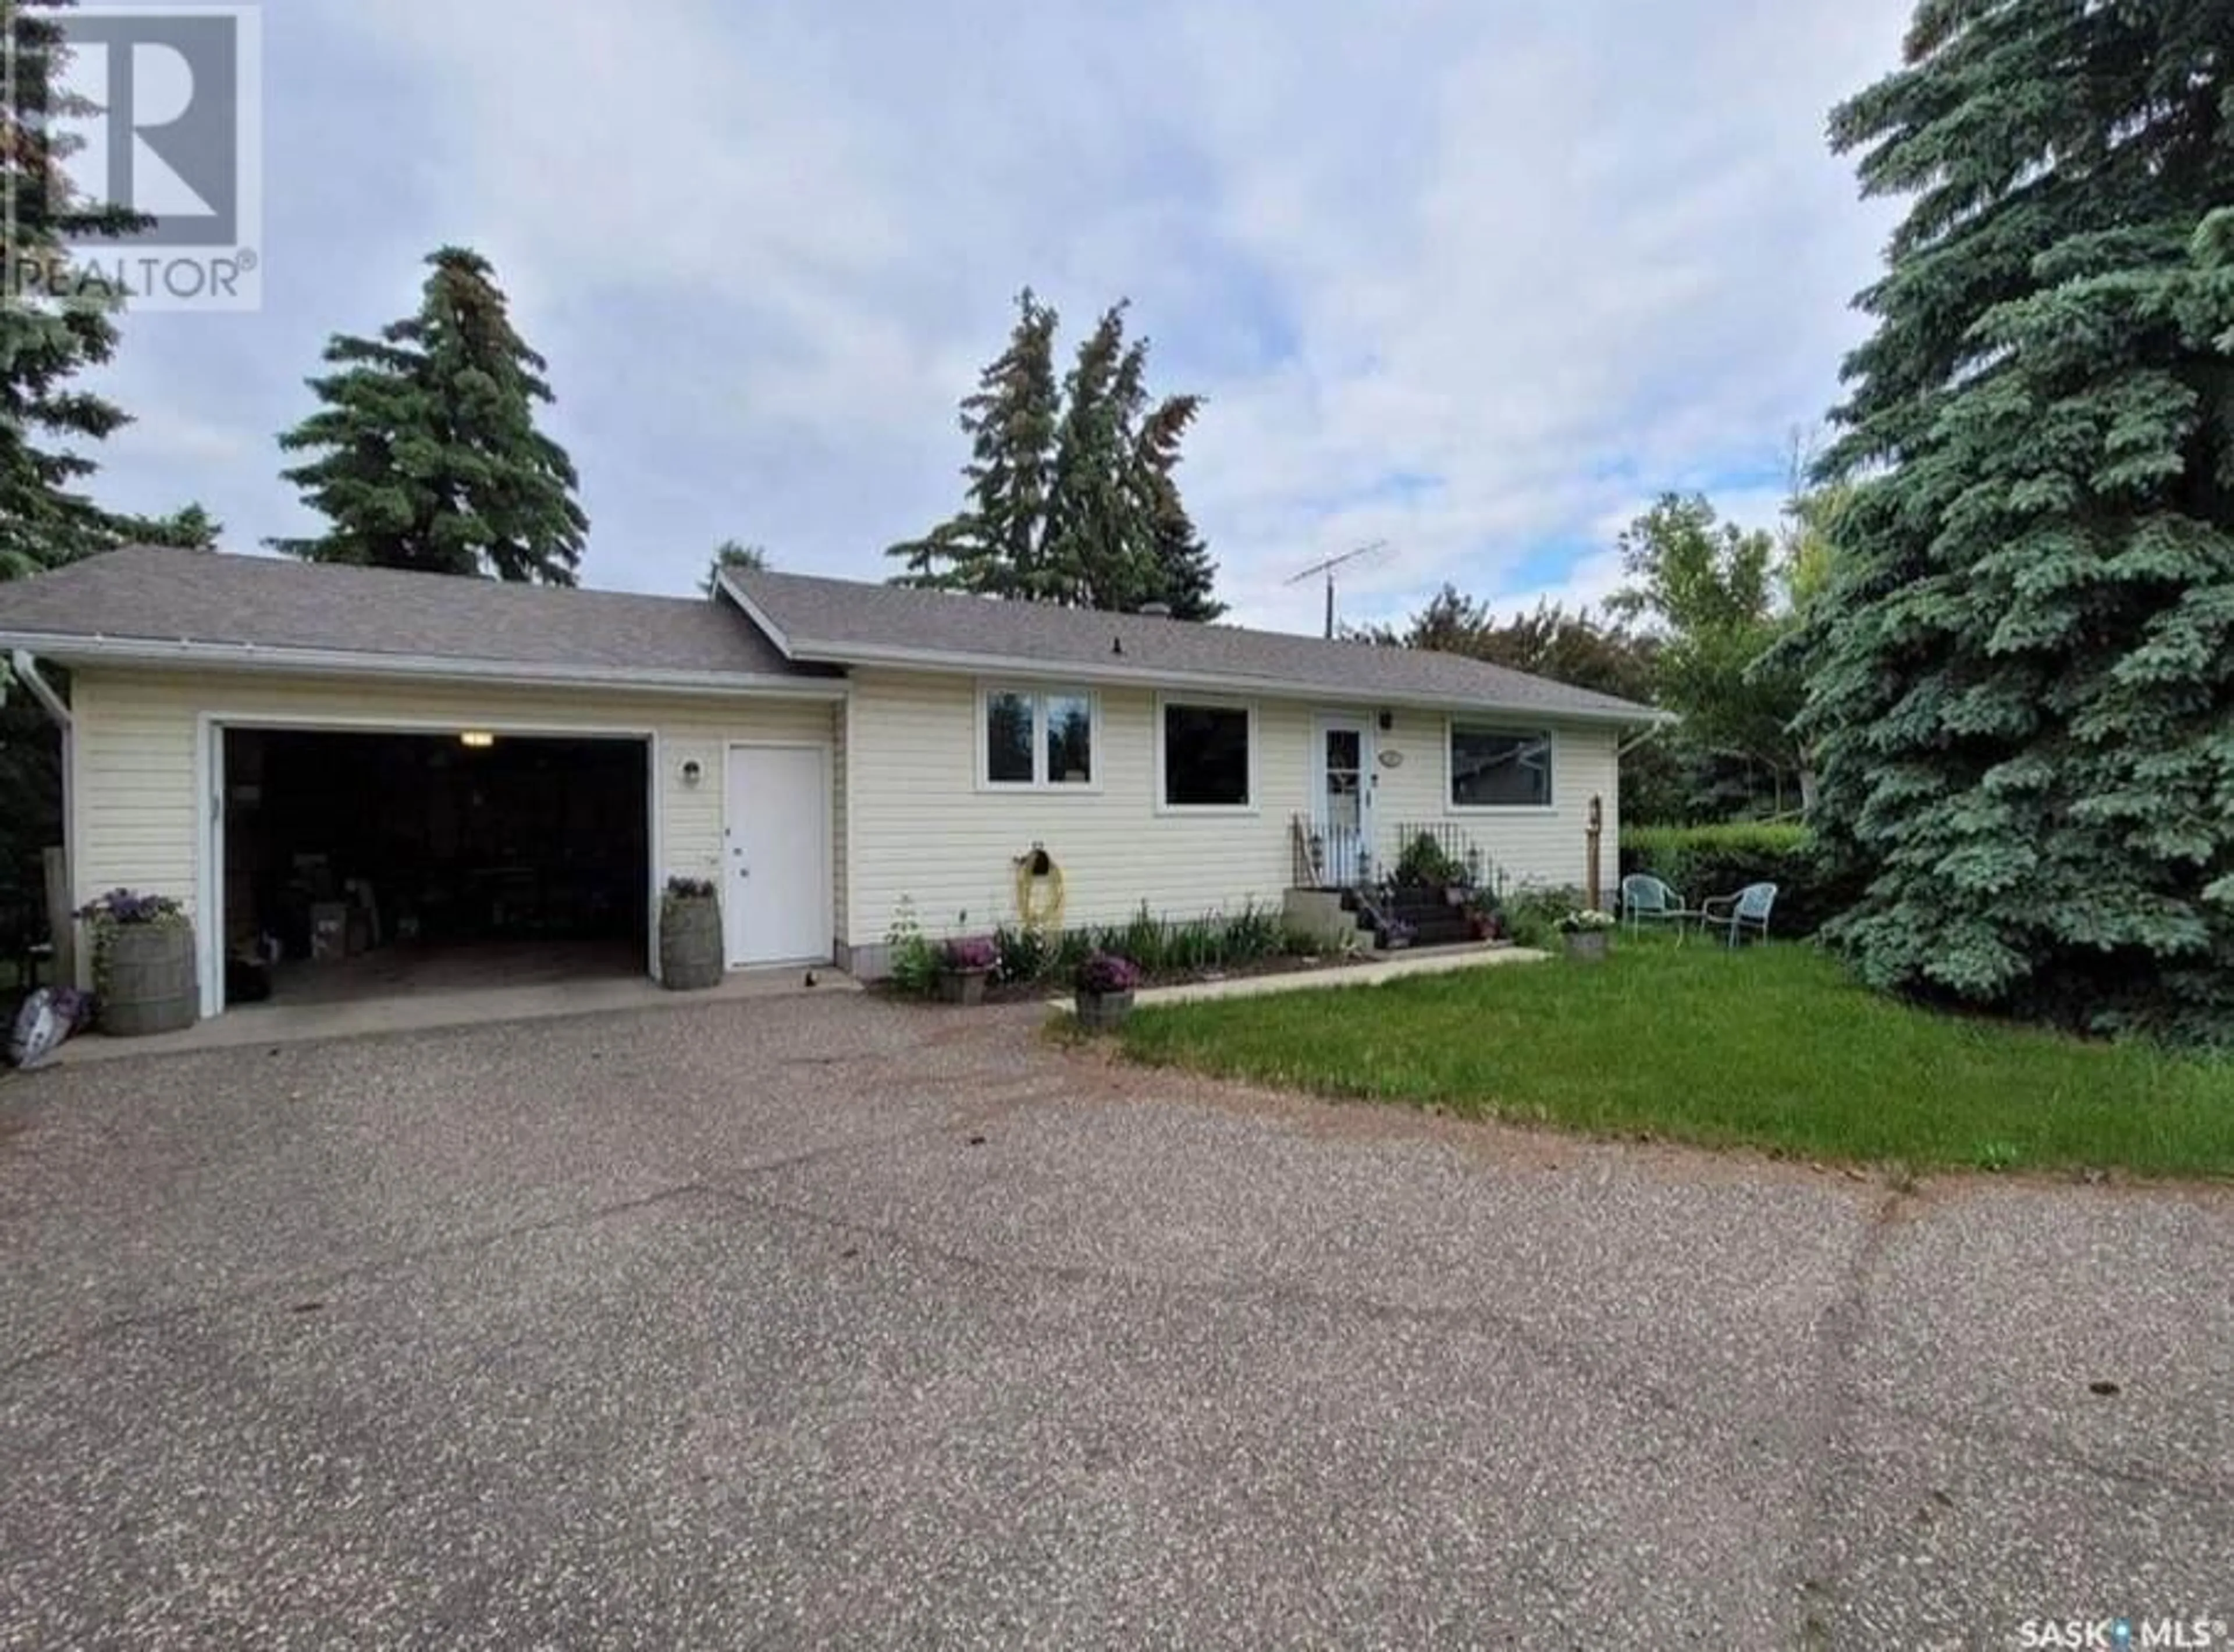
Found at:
(1105, 972)
(122, 906)
(973, 954)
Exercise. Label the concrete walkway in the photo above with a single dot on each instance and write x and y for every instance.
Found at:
(1372, 972)
(406, 1011)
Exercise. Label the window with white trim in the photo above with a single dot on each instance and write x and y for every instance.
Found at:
(1033, 739)
(1499, 768)
(1208, 759)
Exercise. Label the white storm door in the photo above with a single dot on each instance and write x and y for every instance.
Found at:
(776, 890)
(1344, 795)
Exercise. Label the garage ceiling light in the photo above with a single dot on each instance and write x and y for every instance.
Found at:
(478, 740)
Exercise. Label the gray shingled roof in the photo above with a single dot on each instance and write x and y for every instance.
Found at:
(836, 620)
(146, 594)
(218, 601)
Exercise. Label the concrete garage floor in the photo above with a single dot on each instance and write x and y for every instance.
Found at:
(831, 1321)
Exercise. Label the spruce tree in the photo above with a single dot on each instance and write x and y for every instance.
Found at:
(46, 339)
(2021, 670)
(993, 546)
(1095, 552)
(732, 556)
(1184, 574)
(428, 453)
(1073, 498)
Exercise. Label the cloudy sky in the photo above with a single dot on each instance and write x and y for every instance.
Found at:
(1479, 278)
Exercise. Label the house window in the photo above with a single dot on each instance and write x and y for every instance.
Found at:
(1499, 768)
(1207, 756)
(1037, 737)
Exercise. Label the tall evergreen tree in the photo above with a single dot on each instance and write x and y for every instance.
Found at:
(993, 546)
(2022, 673)
(1094, 549)
(192, 529)
(55, 318)
(1185, 575)
(428, 453)
(732, 556)
(1073, 495)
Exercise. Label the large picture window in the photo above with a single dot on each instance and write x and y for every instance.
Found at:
(1034, 738)
(1206, 757)
(1499, 768)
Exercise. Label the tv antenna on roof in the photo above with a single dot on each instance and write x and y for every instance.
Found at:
(1333, 566)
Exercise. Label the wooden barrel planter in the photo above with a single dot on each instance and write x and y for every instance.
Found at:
(148, 983)
(690, 953)
(1103, 1012)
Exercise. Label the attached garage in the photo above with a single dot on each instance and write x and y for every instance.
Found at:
(361, 860)
(362, 783)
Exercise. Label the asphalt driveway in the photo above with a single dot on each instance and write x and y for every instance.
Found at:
(832, 1323)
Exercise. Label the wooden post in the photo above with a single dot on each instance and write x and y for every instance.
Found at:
(1592, 876)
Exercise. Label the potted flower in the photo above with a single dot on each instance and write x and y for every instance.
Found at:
(691, 956)
(143, 965)
(1105, 985)
(1587, 933)
(1484, 921)
(963, 969)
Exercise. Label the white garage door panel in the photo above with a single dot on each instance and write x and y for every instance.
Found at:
(776, 891)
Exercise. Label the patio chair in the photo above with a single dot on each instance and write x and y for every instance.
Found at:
(1645, 899)
(1737, 915)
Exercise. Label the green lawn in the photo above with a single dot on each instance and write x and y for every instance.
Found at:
(1771, 1047)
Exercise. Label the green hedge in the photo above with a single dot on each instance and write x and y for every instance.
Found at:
(1701, 861)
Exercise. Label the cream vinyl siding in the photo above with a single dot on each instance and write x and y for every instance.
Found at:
(922, 828)
(1545, 846)
(135, 812)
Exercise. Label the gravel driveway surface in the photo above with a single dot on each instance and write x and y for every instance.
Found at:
(830, 1323)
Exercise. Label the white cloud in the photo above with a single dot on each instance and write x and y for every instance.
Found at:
(1553, 261)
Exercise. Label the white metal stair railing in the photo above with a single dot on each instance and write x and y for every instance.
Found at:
(1329, 856)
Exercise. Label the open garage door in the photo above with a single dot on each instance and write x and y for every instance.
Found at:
(360, 864)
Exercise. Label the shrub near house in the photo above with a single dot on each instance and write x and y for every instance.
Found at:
(1703, 861)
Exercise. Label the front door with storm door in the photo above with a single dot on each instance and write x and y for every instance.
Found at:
(776, 891)
(1343, 789)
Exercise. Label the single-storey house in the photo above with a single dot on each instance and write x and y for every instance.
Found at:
(269, 742)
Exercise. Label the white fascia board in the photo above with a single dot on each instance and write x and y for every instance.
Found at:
(811, 652)
(758, 615)
(141, 651)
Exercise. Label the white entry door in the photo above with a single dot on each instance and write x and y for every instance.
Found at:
(1343, 786)
(776, 890)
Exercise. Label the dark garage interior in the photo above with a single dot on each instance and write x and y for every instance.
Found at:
(381, 862)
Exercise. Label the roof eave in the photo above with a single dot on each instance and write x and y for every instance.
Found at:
(72, 650)
(816, 651)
